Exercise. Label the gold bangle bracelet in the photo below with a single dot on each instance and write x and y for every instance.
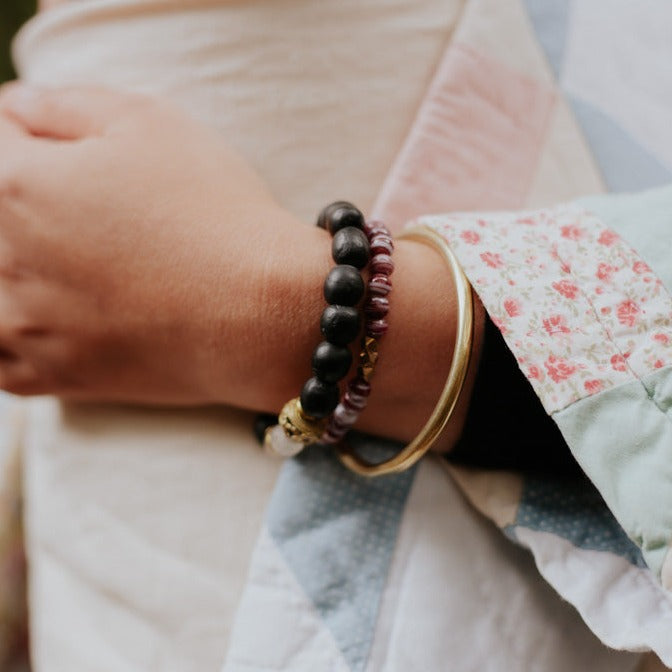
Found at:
(441, 414)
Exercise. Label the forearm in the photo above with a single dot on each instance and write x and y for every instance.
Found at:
(172, 276)
(415, 354)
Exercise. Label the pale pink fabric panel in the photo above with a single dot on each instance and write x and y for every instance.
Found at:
(475, 144)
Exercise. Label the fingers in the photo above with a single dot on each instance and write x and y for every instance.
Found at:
(10, 130)
(18, 375)
(65, 114)
(15, 153)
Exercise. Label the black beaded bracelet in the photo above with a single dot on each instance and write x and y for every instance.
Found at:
(303, 420)
(376, 307)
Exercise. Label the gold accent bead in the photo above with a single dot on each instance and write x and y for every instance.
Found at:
(368, 357)
(298, 426)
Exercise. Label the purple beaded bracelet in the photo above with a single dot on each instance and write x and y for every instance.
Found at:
(376, 308)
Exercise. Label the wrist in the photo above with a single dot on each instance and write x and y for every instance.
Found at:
(270, 324)
(416, 354)
(276, 327)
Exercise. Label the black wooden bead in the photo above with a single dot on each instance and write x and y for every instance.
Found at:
(261, 423)
(331, 362)
(340, 324)
(344, 286)
(319, 399)
(350, 246)
(338, 215)
(326, 212)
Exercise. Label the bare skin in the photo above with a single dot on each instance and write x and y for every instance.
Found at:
(141, 260)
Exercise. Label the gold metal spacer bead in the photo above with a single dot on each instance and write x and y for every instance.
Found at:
(368, 358)
(298, 426)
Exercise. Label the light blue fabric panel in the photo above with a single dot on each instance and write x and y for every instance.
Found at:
(550, 19)
(645, 221)
(660, 389)
(625, 165)
(600, 428)
(574, 510)
(337, 532)
(622, 438)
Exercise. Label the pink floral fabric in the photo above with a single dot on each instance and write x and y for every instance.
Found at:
(577, 306)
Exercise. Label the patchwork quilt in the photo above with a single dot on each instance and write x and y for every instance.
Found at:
(581, 293)
(534, 103)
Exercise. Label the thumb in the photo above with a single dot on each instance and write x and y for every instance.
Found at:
(64, 114)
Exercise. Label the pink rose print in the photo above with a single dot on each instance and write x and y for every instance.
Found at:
(566, 288)
(607, 238)
(556, 324)
(512, 307)
(628, 312)
(564, 266)
(571, 232)
(535, 373)
(558, 369)
(592, 386)
(572, 298)
(618, 363)
(470, 237)
(492, 259)
(605, 271)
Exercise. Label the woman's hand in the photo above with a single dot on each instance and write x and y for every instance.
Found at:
(139, 256)
(142, 261)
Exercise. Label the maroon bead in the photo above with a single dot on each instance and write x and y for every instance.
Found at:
(381, 244)
(337, 422)
(376, 328)
(359, 386)
(382, 263)
(379, 285)
(371, 235)
(334, 434)
(373, 224)
(344, 416)
(329, 439)
(338, 431)
(376, 307)
(354, 401)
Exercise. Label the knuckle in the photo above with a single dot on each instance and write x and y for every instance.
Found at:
(11, 269)
(11, 185)
(13, 379)
(15, 324)
(25, 377)
(22, 387)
